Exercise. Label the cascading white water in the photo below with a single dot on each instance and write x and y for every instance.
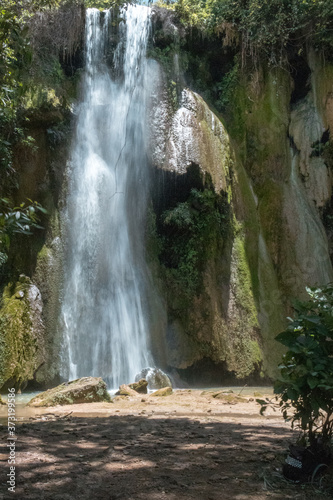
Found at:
(104, 300)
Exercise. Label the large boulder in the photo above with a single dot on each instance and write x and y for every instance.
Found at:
(140, 386)
(82, 390)
(155, 377)
(165, 391)
(126, 390)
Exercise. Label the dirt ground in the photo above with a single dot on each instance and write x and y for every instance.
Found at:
(189, 445)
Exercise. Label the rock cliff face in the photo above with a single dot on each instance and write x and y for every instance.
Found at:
(191, 135)
(277, 183)
(29, 337)
(240, 223)
(221, 322)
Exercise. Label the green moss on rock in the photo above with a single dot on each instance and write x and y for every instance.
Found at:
(165, 391)
(240, 331)
(21, 348)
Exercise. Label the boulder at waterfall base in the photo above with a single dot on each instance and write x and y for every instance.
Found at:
(140, 386)
(165, 391)
(126, 390)
(155, 377)
(82, 390)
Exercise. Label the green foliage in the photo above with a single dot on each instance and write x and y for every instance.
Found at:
(264, 28)
(14, 45)
(163, 55)
(320, 22)
(17, 220)
(327, 154)
(189, 235)
(226, 88)
(15, 58)
(192, 12)
(306, 374)
(107, 4)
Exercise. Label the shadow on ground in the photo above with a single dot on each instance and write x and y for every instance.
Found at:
(151, 458)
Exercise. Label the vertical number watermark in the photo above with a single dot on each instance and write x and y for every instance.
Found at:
(11, 440)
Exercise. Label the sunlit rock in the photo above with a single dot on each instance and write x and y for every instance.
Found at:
(126, 390)
(82, 390)
(165, 391)
(155, 377)
(140, 386)
(191, 135)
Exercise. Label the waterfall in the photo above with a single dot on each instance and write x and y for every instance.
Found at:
(104, 312)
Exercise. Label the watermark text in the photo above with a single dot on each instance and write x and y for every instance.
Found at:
(11, 440)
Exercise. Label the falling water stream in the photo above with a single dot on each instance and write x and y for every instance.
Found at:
(104, 314)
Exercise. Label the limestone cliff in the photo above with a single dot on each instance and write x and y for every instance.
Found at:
(221, 323)
(276, 184)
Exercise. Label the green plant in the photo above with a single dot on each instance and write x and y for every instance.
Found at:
(190, 12)
(305, 384)
(17, 220)
(189, 233)
(263, 29)
(106, 4)
(327, 154)
(226, 88)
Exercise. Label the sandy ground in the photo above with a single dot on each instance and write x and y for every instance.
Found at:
(185, 446)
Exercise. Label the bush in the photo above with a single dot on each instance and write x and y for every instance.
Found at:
(306, 374)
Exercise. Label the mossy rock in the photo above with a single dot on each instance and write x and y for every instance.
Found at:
(140, 386)
(166, 391)
(21, 332)
(82, 390)
(2, 401)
